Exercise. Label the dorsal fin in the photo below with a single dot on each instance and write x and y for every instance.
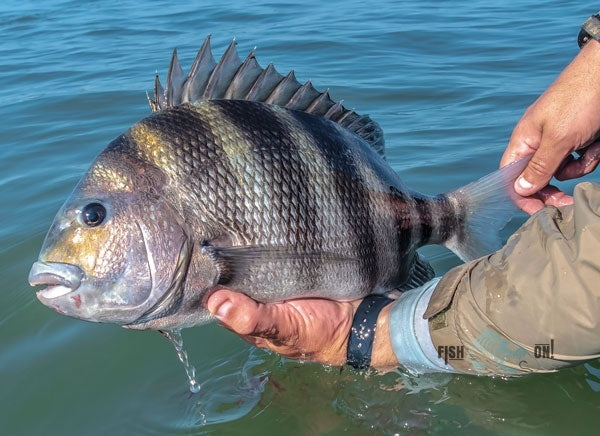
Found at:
(230, 78)
(175, 78)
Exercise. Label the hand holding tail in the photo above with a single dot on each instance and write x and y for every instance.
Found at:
(564, 119)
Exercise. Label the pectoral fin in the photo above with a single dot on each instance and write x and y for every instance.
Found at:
(231, 262)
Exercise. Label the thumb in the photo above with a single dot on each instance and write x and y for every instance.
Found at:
(543, 165)
(239, 313)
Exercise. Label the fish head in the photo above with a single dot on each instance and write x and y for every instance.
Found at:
(116, 247)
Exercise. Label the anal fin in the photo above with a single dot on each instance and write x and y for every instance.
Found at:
(420, 274)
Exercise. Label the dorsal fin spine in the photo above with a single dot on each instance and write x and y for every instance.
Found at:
(321, 104)
(302, 97)
(346, 118)
(334, 111)
(264, 84)
(245, 76)
(284, 90)
(175, 78)
(221, 76)
(197, 78)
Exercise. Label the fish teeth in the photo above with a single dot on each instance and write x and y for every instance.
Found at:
(54, 291)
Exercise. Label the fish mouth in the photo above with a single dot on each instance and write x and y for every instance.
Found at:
(60, 278)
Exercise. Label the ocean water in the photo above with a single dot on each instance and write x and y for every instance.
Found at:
(447, 81)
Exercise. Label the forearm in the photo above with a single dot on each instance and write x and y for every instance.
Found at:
(383, 358)
(531, 307)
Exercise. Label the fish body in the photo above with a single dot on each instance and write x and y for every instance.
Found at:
(275, 202)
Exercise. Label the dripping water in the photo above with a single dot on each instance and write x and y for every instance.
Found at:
(174, 336)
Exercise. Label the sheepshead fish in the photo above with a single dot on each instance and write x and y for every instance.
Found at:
(246, 179)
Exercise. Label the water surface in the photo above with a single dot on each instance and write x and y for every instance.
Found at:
(447, 81)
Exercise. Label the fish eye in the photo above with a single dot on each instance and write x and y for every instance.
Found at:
(93, 214)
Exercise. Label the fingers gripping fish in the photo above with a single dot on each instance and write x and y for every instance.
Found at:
(245, 178)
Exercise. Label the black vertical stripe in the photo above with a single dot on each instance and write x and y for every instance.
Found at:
(425, 213)
(351, 190)
(274, 153)
(438, 220)
(401, 205)
(404, 208)
(451, 221)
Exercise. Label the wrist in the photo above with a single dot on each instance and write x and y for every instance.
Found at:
(590, 30)
(369, 344)
(332, 349)
(383, 358)
(592, 48)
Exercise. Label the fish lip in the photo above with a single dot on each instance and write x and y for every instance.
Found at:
(60, 278)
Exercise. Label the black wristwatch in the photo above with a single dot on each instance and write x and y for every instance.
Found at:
(589, 30)
(362, 333)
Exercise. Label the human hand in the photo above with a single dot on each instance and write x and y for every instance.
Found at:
(311, 329)
(564, 119)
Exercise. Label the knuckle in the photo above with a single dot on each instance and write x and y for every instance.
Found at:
(563, 137)
(538, 167)
(557, 135)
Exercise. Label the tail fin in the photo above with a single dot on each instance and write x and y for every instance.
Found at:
(486, 204)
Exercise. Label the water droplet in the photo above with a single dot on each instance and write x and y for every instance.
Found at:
(302, 358)
(174, 336)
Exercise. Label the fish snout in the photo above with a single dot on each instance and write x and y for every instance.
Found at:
(60, 278)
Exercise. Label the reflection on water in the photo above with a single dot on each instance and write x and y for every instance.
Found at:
(593, 376)
(232, 387)
(248, 383)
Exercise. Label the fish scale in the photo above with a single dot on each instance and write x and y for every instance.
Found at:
(295, 218)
